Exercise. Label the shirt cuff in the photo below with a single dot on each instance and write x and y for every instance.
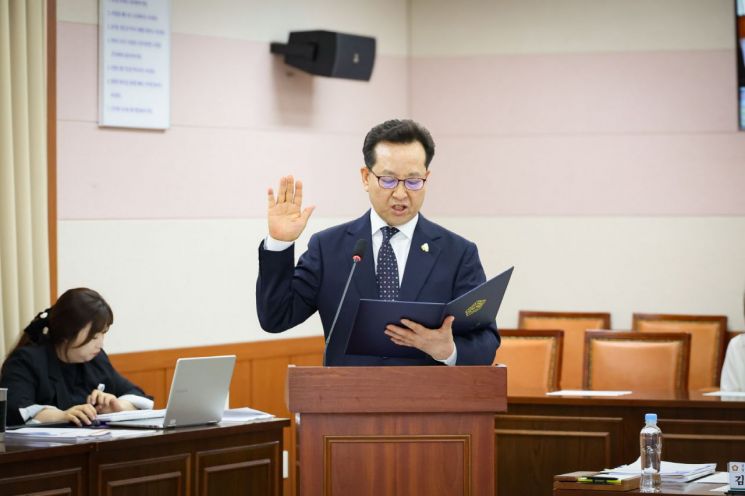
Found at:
(450, 361)
(271, 244)
(28, 413)
(139, 402)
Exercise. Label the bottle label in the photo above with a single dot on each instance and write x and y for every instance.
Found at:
(736, 475)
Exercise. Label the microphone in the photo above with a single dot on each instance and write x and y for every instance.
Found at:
(359, 251)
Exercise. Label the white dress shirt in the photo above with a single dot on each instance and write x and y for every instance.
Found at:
(733, 370)
(400, 242)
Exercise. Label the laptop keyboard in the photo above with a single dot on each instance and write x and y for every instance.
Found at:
(131, 415)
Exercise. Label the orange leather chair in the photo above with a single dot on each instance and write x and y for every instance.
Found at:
(640, 362)
(533, 360)
(708, 335)
(574, 325)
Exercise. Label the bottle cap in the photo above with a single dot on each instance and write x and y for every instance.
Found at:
(650, 418)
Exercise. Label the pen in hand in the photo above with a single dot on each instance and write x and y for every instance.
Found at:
(101, 387)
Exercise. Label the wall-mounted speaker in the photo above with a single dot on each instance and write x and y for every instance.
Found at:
(327, 53)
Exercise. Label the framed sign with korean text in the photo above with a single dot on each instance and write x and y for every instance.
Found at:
(134, 63)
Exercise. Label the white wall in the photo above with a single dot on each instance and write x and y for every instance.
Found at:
(618, 201)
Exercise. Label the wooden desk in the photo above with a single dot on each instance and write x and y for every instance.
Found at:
(693, 489)
(220, 459)
(540, 435)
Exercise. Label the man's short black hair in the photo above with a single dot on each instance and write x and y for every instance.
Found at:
(398, 131)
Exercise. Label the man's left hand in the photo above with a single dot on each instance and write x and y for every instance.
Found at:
(437, 343)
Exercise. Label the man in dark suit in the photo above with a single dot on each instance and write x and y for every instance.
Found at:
(407, 258)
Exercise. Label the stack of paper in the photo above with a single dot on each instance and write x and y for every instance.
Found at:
(586, 392)
(244, 414)
(670, 471)
(58, 434)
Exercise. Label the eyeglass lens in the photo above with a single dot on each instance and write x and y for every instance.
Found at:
(412, 183)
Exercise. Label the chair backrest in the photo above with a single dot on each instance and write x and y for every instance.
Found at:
(533, 360)
(708, 335)
(640, 362)
(574, 325)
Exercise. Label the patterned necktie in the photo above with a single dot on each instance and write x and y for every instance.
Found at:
(387, 267)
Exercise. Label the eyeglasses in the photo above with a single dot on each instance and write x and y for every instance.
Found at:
(390, 182)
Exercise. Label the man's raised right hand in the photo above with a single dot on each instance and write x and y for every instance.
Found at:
(285, 215)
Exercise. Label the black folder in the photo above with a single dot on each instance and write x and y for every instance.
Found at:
(472, 310)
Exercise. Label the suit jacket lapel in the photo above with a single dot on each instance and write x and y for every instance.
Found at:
(364, 278)
(423, 254)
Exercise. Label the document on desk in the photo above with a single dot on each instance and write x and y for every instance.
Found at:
(58, 434)
(244, 414)
(715, 478)
(586, 392)
(733, 394)
(129, 433)
(670, 471)
(720, 489)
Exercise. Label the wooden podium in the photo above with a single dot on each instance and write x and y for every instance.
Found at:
(396, 430)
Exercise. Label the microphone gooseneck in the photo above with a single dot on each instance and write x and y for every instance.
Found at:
(357, 254)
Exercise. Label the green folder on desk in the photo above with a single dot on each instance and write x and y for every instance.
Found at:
(472, 310)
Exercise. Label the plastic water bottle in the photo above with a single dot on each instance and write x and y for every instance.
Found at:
(650, 444)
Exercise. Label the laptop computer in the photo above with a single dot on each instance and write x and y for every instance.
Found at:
(198, 392)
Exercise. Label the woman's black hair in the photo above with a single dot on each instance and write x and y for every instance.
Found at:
(60, 324)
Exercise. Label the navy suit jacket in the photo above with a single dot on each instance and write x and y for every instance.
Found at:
(287, 295)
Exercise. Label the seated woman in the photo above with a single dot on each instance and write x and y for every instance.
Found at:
(59, 372)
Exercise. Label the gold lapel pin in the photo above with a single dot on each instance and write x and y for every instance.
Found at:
(425, 248)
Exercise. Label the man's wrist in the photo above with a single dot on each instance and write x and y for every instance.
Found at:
(450, 360)
(271, 244)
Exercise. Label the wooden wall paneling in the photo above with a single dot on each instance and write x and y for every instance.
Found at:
(253, 469)
(534, 445)
(169, 379)
(310, 360)
(154, 359)
(415, 454)
(68, 481)
(240, 385)
(162, 475)
(697, 448)
(306, 360)
(268, 382)
(374, 454)
(153, 382)
(702, 441)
